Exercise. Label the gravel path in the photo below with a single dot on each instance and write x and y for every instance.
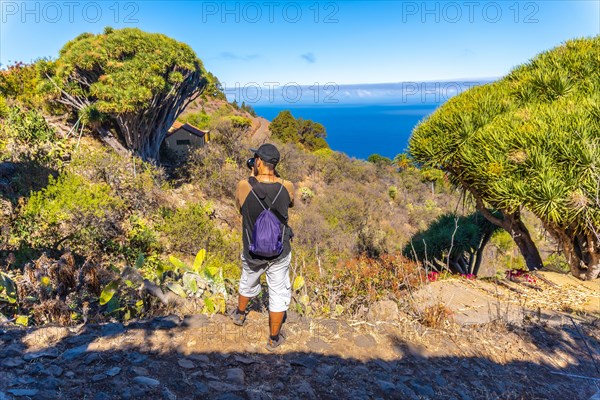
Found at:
(209, 357)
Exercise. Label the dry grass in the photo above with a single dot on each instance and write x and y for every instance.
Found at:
(437, 316)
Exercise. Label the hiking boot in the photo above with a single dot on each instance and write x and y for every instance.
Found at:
(238, 318)
(274, 344)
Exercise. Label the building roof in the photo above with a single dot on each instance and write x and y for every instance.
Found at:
(187, 127)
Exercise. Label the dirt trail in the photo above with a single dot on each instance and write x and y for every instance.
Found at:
(209, 357)
(260, 130)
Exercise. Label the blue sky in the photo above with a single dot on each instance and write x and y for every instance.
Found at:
(344, 42)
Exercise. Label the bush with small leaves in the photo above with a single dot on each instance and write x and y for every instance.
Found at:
(70, 212)
(190, 227)
(306, 194)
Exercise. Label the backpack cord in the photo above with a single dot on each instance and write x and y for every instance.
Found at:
(273, 202)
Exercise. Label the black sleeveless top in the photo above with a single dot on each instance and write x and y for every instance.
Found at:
(251, 209)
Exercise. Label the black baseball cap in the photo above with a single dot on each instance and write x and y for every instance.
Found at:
(268, 153)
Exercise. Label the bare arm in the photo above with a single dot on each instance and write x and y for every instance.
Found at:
(291, 190)
(243, 189)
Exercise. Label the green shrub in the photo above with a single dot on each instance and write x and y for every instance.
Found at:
(139, 184)
(393, 192)
(26, 136)
(4, 110)
(29, 126)
(189, 228)
(200, 120)
(311, 135)
(323, 153)
(20, 82)
(73, 212)
(503, 241)
(141, 238)
(240, 123)
(306, 194)
(372, 240)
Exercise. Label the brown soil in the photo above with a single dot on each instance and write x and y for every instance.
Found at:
(483, 301)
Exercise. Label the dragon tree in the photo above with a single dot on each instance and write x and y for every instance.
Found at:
(530, 140)
(129, 82)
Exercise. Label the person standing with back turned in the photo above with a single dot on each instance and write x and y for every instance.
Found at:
(263, 201)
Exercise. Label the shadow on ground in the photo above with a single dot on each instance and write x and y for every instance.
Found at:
(21, 178)
(163, 359)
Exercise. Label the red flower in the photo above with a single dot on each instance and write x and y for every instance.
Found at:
(433, 276)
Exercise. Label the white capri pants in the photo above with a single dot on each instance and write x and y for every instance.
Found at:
(278, 280)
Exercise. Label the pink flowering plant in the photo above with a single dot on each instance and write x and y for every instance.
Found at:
(520, 275)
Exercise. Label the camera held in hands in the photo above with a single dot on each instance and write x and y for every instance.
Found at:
(250, 163)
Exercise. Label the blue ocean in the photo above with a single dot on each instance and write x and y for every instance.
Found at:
(360, 130)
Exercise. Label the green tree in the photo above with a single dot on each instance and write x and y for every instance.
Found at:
(139, 83)
(529, 140)
(248, 108)
(285, 127)
(402, 161)
(308, 133)
(312, 134)
(433, 176)
(214, 88)
(379, 160)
